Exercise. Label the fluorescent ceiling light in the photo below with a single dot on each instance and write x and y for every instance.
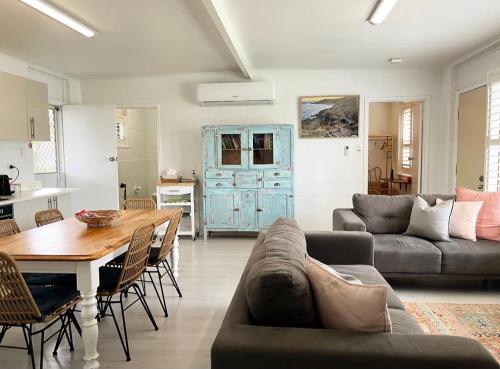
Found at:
(381, 11)
(59, 16)
(395, 60)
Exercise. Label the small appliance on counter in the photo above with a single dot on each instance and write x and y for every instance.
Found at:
(5, 190)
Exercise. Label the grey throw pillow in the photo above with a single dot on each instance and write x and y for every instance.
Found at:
(430, 222)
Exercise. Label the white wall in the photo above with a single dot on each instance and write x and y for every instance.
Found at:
(61, 90)
(325, 179)
(468, 74)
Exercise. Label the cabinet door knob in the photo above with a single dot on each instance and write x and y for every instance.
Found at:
(218, 185)
(277, 185)
(259, 210)
(218, 174)
(236, 209)
(277, 174)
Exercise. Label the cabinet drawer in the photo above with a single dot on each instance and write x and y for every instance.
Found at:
(277, 184)
(277, 173)
(215, 183)
(219, 174)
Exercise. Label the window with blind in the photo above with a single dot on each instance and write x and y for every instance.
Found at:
(406, 147)
(493, 144)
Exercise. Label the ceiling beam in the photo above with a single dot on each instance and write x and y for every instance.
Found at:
(225, 27)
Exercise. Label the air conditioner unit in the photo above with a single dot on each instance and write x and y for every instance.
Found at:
(243, 93)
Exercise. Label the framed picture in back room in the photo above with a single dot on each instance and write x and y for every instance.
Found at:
(329, 116)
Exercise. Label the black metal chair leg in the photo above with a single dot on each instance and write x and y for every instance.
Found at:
(172, 278)
(30, 345)
(145, 305)
(161, 298)
(70, 338)
(26, 339)
(60, 335)
(42, 343)
(123, 342)
(4, 330)
(75, 322)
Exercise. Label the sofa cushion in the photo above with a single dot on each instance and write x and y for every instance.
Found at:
(388, 214)
(370, 276)
(347, 304)
(404, 323)
(470, 257)
(277, 288)
(398, 253)
(430, 222)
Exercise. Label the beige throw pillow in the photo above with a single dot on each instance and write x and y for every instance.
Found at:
(347, 305)
(464, 218)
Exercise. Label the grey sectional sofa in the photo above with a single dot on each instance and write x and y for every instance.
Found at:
(400, 256)
(244, 344)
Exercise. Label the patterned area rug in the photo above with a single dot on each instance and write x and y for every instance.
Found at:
(478, 321)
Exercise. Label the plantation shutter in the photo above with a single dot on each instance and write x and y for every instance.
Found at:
(406, 138)
(493, 140)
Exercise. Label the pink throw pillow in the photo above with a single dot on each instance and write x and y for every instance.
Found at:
(488, 221)
(463, 219)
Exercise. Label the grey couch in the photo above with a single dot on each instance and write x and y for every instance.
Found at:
(244, 343)
(401, 256)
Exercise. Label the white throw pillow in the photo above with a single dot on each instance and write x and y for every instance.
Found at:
(347, 305)
(464, 218)
(430, 222)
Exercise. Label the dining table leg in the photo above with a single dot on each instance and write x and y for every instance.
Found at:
(174, 257)
(87, 283)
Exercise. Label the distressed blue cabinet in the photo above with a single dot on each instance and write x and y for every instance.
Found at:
(247, 176)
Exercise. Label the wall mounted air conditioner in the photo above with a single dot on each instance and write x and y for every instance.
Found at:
(242, 93)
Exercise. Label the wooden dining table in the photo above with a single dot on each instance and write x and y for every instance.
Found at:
(71, 247)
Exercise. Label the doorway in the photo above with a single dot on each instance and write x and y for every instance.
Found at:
(394, 147)
(137, 149)
(471, 138)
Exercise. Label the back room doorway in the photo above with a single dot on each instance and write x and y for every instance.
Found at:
(394, 147)
(137, 148)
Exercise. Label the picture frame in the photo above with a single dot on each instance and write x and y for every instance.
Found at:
(329, 116)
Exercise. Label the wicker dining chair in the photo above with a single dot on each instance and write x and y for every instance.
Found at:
(139, 204)
(9, 227)
(24, 306)
(159, 257)
(49, 216)
(119, 278)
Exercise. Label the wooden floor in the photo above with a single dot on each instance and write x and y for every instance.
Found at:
(209, 274)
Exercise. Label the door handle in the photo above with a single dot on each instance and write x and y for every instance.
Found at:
(277, 174)
(113, 158)
(259, 210)
(32, 128)
(236, 209)
(218, 185)
(277, 185)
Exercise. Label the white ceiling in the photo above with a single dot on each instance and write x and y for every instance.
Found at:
(137, 37)
(335, 34)
(147, 37)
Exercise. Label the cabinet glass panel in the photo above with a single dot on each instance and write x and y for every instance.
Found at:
(263, 148)
(231, 149)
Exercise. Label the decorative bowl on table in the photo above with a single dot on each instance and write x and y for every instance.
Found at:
(98, 218)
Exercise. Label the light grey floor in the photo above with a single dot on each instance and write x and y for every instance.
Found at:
(209, 274)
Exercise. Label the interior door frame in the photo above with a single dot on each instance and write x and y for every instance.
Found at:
(423, 165)
(469, 88)
(159, 148)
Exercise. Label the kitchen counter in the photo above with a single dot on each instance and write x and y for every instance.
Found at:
(37, 194)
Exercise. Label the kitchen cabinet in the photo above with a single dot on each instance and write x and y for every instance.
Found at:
(37, 111)
(24, 112)
(247, 176)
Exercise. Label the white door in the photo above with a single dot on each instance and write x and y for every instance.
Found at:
(90, 155)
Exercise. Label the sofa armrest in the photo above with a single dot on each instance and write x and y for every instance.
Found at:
(338, 247)
(250, 347)
(347, 220)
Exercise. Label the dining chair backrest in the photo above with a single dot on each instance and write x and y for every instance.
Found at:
(137, 255)
(49, 216)
(168, 240)
(17, 305)
(8, 227)
(139, 204)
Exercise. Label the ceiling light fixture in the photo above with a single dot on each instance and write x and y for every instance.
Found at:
(381, 10)
(61, 17)
(395, 60)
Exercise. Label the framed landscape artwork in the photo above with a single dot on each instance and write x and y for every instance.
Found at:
(329, 116)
